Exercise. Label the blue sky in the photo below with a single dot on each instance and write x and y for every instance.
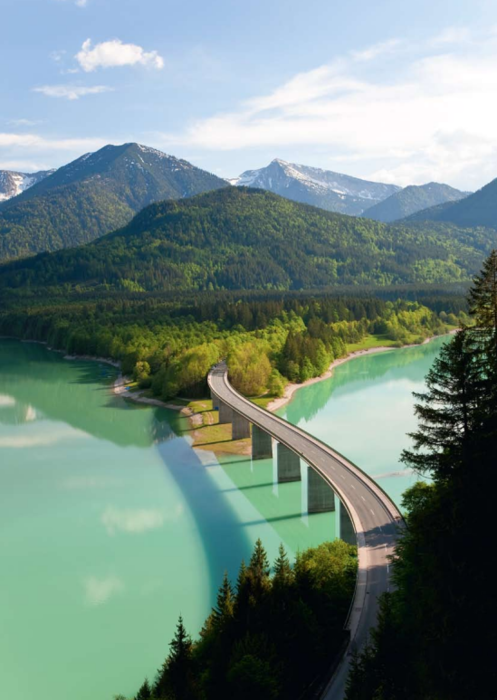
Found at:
(402, 92)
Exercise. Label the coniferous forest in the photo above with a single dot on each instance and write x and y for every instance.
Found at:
(273, 634)
(436, 635)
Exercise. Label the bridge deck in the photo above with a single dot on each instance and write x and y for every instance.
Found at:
(375, 517)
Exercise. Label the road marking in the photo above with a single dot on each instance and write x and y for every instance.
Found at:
(372, 510)
(363, 499)
(352, 487)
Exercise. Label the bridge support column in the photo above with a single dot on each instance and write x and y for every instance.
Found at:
(347, 532)
(240, 427)
(262, 445)
(288, 464)
(320, 495)
(225, 413)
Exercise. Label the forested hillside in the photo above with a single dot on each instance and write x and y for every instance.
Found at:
(93, 195)
(239, 238)
(168, 342)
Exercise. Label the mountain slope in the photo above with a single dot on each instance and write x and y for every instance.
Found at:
(479, 209)
(93, 195)
(322, 188)
(13, 183)
(411, 200)
(240, 238)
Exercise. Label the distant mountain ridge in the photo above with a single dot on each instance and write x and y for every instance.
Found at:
(243, 238)
(93, 195)
(413, 199)
(12, 183)
(322, 188)
(479, 209)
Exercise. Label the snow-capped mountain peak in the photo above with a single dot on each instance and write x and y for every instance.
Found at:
(323, 188)
(13, 183)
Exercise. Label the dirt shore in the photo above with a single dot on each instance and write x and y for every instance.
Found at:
(290, 389)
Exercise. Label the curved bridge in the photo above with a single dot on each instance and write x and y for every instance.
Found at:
(364, 506)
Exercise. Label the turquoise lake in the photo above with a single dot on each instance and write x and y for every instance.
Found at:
(111, 525)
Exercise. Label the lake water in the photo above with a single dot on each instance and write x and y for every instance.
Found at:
(111, 525)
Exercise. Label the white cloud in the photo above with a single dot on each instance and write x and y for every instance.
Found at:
(34, 435)
(452, 35)
(424, 115)
(133, 521)
(58, 56)
(376, 50)
(35, 141)
(100, 590)
(111, 54)
(23, 166)
(6, 401)
(71, 92)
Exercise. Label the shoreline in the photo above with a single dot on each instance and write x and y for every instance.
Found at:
(292, 388)
(119, 385)
(119, 388)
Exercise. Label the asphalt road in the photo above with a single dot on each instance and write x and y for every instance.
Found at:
(375, 517)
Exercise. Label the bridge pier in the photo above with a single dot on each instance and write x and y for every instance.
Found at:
(320, 495)
(347, 532)
(240, 427)
(288, 464)
(262, 444)
(225, 413)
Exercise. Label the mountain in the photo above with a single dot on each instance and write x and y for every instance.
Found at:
(322, 188)
(13, 183)
(93, 195)
(241, 238)
(479, 209)
(411, 200)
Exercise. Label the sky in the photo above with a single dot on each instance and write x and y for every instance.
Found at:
(399, 92)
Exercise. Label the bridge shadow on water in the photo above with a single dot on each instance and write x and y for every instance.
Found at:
(224, 541)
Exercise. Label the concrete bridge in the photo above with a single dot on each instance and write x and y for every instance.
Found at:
(368, 517)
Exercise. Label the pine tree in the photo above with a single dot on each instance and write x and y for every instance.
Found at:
(449, 412)
(483, 296)
(225, 602)
(175, 677)
(283, 573)
(483, 308)
(259, 562)
(145, 692)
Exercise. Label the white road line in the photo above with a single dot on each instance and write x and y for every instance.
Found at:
(352, 487)
(363, 499)
(372, 511)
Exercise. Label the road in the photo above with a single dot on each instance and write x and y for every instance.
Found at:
(375, 517)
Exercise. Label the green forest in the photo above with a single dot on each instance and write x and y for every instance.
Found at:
(95, 194)
(272, 635)
(169, 344)
(436, 636)
(239, 238)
